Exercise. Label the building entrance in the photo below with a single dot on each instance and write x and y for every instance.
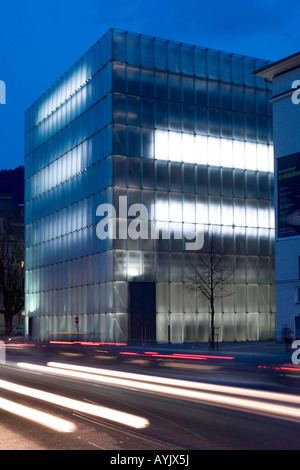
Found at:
(297, 327)
(142, 311)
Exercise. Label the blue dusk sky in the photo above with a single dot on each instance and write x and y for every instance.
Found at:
(40, 40)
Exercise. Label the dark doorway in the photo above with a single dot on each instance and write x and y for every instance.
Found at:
(297, 327)
(142, 311)
(30, 327)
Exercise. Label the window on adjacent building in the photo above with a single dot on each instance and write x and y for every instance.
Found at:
(297, 295)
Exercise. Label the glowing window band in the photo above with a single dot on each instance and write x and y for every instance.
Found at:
(207, 150)
(213, 213)
(67, 86)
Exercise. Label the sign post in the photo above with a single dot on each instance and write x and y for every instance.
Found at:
(77, 325)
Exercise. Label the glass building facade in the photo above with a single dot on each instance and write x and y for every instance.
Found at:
(184, 129)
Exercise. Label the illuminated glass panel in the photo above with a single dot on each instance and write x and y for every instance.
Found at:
(213, 151)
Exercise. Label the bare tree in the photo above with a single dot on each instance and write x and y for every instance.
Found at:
(11, 277)
(210, 277)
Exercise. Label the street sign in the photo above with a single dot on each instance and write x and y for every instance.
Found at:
(77, 324)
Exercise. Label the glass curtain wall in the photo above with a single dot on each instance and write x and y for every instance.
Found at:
(68, 174)
(181, 127)
(192, 135)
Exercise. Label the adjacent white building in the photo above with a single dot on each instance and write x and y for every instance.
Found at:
(285, 77)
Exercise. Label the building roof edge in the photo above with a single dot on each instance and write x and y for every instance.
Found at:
(279, 67)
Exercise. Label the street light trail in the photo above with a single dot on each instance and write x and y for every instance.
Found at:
(95, 410)
(40, 417)
(275, 396)
(221, 398)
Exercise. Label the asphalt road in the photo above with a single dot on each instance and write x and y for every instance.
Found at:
(175, 417)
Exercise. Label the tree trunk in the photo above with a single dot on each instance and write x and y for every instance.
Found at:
(8, 323)
(212, 325)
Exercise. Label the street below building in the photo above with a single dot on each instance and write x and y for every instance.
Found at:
(63, 399)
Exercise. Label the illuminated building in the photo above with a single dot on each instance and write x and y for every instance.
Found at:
(185, 128)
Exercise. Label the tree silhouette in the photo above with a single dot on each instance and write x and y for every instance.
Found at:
(11, 277)
(210, 277)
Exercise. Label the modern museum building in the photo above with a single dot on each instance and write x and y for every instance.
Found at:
(133, 157)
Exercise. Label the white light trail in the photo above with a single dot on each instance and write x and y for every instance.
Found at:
(214, 394)
(182, 383)
(40, 417)
(75, 405)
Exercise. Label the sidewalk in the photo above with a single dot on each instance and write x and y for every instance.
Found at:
(247, 352)
(256, 352)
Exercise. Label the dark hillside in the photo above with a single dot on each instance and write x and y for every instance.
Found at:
(12, 182)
